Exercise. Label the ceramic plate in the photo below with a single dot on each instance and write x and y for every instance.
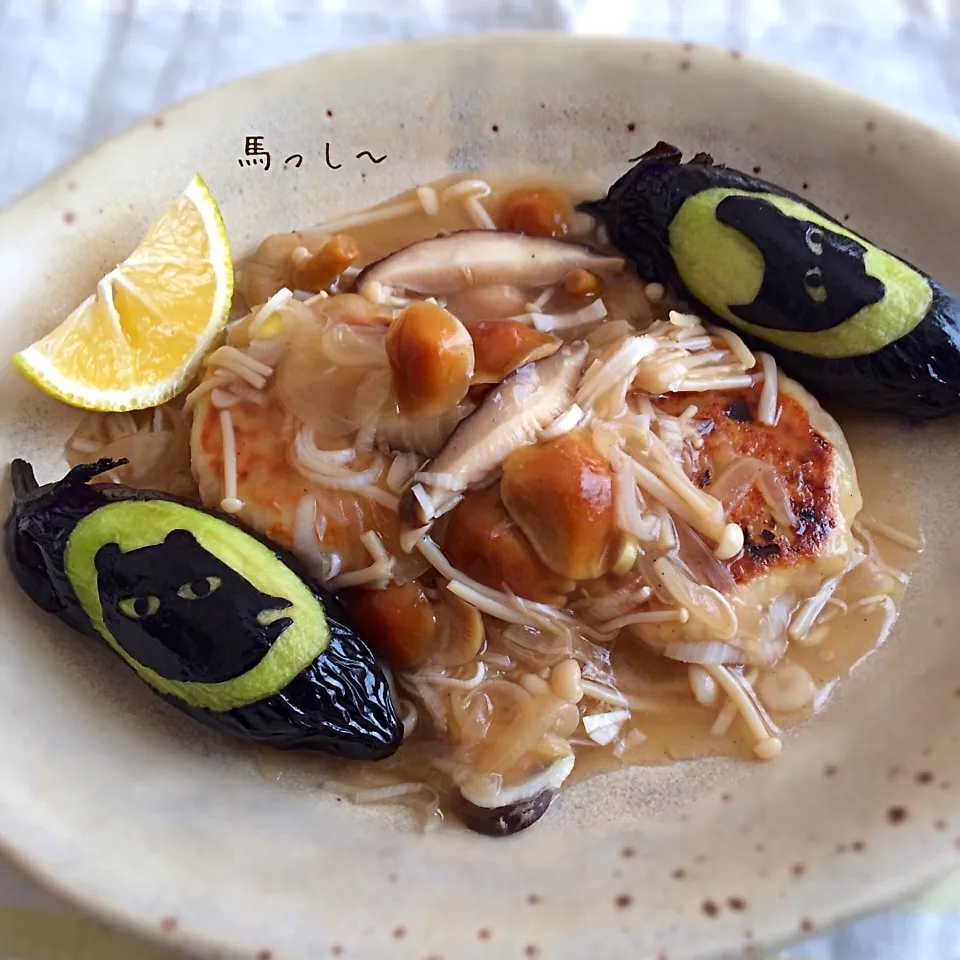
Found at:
(129, 809)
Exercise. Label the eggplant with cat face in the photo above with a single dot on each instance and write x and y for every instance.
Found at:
(811, 274)
(215, 619)
(167, 604)
(842, 315)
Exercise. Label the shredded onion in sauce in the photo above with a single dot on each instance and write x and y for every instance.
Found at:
(502, 725)
(703, 653)
(700, 560)
(733, 485)
(704, 603)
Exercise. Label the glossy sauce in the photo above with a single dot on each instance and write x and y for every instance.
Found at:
(267, 485)
(674, 725)
(681, 731)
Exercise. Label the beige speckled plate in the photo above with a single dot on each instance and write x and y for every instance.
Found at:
(126, 807)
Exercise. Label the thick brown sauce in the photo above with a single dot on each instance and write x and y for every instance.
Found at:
(676, 727)
(682, 732)
(680, 728)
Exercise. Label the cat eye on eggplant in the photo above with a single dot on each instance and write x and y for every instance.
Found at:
(813, 282)
(814, 240)
(138, 607)
(198, 589)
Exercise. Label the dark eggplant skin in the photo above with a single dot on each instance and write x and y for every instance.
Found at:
(202, 655)
(845, 317)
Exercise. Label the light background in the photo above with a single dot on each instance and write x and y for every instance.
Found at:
(73, 73)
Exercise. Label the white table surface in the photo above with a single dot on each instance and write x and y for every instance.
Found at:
(76, 72)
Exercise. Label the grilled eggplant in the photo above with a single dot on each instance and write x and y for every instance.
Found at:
(213, 618)
(845, 317)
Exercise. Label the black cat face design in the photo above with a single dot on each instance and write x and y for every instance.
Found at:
(184, 613)
(814, 278)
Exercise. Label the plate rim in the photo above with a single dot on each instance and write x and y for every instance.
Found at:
(884, 891)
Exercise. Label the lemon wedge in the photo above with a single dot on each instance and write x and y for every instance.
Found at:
(139, 338)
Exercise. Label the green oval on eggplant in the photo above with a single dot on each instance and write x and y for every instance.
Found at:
(161, 582)
(839, 313)
(213, 618)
